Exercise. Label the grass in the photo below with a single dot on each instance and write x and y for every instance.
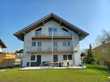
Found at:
(91, 74)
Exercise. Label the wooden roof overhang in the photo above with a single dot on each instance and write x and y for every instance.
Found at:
(50, 37)
(20, 34)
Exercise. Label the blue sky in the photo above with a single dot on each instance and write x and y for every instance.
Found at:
(92, 16)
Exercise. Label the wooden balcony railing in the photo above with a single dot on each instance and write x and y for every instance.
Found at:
(51, 37)
(49, 52)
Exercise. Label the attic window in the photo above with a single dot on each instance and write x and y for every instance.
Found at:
(65, 29)
(38, 31)
(52, 30)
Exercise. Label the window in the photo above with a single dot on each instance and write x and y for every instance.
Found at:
(32, 57)
(55, 29)
(69, 57)
(39, 43)
(64, 57)
(52, 30)
(38, 31)
(66, 43)
(33, 43)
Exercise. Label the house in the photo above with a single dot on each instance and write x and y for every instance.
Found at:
(102, 53)
(19, 53)
(2, 46)
(6, 59)
(51, 41)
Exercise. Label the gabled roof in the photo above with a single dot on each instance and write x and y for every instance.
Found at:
(2, 44)
(20, 34)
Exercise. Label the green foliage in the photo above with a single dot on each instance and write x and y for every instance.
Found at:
(107, 63)
(90, 59)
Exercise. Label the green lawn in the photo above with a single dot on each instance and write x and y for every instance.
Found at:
(91, 74)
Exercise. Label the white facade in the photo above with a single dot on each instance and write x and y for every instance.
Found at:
(47, 49)
(0, 49)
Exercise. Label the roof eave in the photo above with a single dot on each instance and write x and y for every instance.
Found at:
(84, 36)
(20, 36)
(3, 45)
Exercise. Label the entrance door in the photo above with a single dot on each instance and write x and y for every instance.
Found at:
(38, 60)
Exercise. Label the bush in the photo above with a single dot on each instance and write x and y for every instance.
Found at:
(90, 59)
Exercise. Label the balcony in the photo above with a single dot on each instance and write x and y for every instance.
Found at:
(59, 37)
(48, 51)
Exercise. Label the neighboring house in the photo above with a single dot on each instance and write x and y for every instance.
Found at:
(102, 52)
(6, 59)
(51, 41)
(19, 53)
(2, 46)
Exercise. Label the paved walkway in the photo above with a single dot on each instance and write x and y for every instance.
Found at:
(74, 67)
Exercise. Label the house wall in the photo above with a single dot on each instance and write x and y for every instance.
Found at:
(28, 37)
(77, 53)
(47, 58)
(1, 49)
(48, 44)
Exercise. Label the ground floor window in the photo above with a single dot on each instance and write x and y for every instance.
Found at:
(67, 57)
(32, 57)
(37, 60)
(64, 57)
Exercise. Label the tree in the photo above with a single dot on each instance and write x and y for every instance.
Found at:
(104, 38)
(90, 56)
(104, 55)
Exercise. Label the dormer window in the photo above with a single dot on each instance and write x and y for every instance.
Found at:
(38, 31)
